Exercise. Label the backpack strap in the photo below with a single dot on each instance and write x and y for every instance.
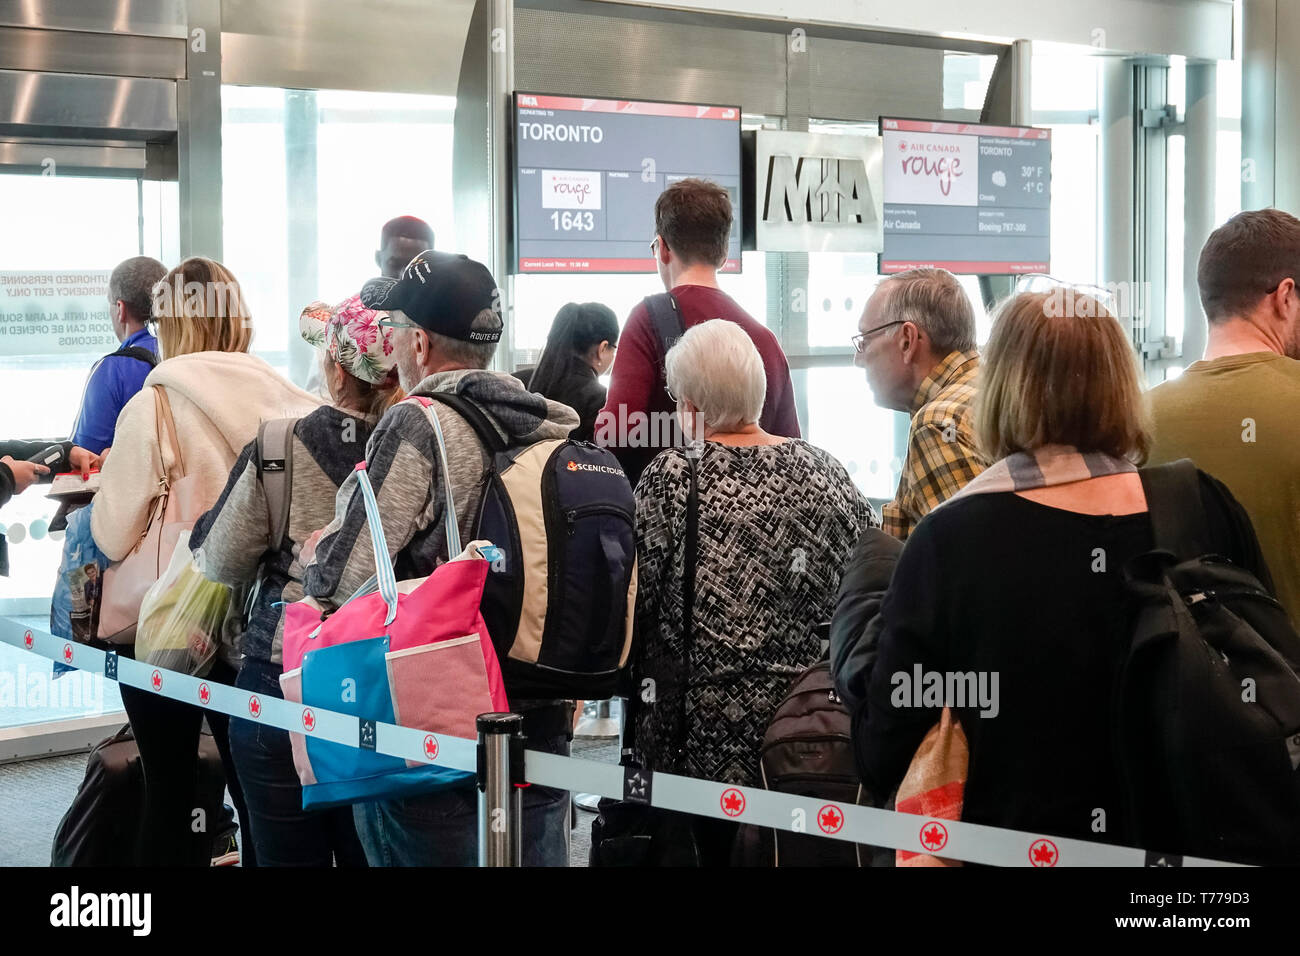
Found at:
(275, 472)
(1178, 519)
(477, 418)
(665, 319)
(139, 353)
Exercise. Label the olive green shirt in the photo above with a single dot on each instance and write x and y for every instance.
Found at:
(1238, 418)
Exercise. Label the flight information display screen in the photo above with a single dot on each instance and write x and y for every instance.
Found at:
(587, 173)
(966, 197)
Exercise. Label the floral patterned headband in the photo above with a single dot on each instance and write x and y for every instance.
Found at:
(352, 336)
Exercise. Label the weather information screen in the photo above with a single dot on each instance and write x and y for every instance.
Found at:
(588, 172)
(964, 197)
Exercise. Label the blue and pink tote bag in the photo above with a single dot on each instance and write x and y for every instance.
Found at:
(414, 653)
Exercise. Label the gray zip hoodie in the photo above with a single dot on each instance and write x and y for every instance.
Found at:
(402, 462)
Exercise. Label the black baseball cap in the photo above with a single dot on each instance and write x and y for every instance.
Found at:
(441, 292)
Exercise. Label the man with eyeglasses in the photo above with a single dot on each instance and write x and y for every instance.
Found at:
(1234, 411)
(916, 342)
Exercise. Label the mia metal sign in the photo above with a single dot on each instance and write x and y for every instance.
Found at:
(818, 192)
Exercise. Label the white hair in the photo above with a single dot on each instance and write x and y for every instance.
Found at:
(716, 367)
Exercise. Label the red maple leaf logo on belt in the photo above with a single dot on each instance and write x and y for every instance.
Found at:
(430, 747)
(157, 681)
(1043, 853)
(830, 820)
(934, 836)
(733, 803)
(308, 719)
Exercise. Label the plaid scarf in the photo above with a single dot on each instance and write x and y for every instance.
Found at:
(1044, 466)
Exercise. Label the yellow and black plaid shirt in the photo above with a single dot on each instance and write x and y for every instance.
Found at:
(941, 455)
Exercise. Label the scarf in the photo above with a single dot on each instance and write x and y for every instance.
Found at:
(1043, 467)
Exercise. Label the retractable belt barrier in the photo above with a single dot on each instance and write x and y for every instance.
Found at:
(950, 839)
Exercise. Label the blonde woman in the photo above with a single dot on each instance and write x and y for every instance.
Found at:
(219, 395)
(1019, 580)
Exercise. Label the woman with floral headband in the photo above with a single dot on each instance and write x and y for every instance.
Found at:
(358, 367)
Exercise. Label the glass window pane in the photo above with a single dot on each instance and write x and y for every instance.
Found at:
(377, 156)
(843, 419)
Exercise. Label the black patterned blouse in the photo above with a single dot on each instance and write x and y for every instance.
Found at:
(777, 524)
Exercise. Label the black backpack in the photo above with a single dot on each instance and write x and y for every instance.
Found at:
(807, 751)
(560, 598)
(1207, 721)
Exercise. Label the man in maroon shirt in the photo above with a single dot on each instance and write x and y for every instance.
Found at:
(692, 224)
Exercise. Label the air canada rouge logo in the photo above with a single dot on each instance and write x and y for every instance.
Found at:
(67, 653)
(27, 639)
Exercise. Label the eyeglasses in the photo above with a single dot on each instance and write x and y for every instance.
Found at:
(670, 394)
(389, 322)
(654, 246)
(860, 340)
(1042, 282)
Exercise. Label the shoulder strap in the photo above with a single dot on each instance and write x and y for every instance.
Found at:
(690, 553)
(275, 471)
(1173, 493)
(167, 423)
(665, 319)
(139, 353)
(478, 420)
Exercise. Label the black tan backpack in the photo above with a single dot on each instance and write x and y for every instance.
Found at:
(560, 598)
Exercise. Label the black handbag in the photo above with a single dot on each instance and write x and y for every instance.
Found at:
(631, 832)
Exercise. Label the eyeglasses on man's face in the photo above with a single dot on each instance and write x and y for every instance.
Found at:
(654, 247)
(860, 340)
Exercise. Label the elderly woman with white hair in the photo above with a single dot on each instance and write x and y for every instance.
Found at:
(775, 522)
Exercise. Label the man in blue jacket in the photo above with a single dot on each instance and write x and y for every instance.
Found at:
(119, 375)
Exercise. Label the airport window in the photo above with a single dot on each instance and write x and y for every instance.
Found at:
(309, 179)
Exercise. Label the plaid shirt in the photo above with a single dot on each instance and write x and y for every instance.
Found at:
(941, 455)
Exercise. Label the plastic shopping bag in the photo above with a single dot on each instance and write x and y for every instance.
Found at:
(74, 607)
(181, 616)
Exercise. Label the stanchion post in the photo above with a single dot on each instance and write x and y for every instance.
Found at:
(500, 803)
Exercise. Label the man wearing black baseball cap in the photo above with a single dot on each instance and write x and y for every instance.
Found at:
(446, 313)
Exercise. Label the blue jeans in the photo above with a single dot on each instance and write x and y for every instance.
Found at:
(441, 829)
(283, 832)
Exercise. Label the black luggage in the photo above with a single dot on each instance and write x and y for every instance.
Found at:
(101, 828)
(808, 751)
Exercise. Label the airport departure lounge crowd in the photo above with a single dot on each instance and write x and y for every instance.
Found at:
(1020, 503)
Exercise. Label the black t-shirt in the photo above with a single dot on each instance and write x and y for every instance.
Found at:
(999, 585)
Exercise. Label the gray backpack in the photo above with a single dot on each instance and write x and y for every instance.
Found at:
(275, 472)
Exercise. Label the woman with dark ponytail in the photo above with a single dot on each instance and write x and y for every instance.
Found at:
(579, 349)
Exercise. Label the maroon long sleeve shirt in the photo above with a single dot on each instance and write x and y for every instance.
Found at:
(637, 381)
